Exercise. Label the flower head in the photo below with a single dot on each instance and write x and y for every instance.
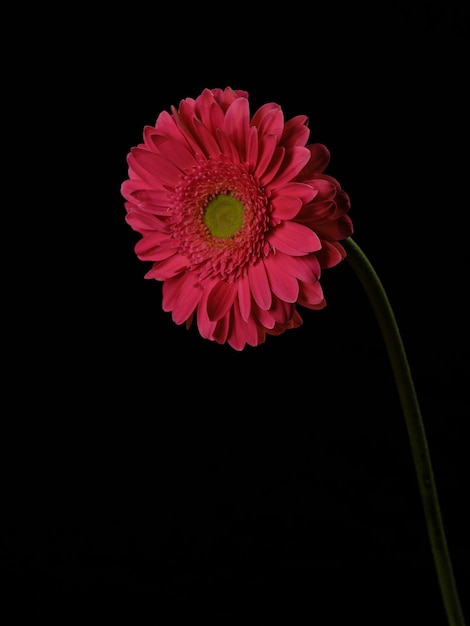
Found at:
(236, 215)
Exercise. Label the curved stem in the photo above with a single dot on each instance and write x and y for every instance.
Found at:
(419, 446)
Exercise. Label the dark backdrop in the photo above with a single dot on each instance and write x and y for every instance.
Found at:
(153, 476)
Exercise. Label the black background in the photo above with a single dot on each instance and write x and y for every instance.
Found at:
(154, 476)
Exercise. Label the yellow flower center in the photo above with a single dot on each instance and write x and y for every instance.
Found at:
(223, 216)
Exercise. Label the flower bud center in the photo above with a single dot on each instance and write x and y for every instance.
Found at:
(223, 216)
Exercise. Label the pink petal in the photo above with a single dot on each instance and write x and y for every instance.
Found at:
(331, 254)
(207, 141)
(293, 322)
(327, 190)
(216, 118)
(311, 295)
(170, 290)
(184, 124)
(186, 113)
(283, 285)
(294, 161)
(295, 136)
(226, 96)
(273, 167)
(129, 187)
(166, 126)
(142, 222)
(340, 228)
(168, 268)
(244, 297)
(155, 247)
(132, 190)
(221, 331)
(304, 192)
(269, 119)
(201, 138)
(227, 147)
(175, 151)
(205, 325)
(286, 207)
(237, 122)
(266, 147)
(220, 299)
(282, 311)
(154, 201)
(252, 149)
(293, 238)
(253, 333)
(153, 168)
(343, 201)
(315, 212)
(230, 332)
(244, 331)
(181, 295)
(203, 108)
(262, 112)
(263, 318)
(292, 124)
(320, 157)
(305, 268)
(259, 285)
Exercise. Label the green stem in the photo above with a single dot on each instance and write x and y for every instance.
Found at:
(419, 446)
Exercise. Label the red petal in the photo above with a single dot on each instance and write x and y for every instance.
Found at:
(252, 149)
(168, 268)
(294, 161)
(221, 330)
(311, 295)
(244, 331)
(132, 190)
(227, 147)
(296, 135)
(305, 268)
(175, 151)
(259, 285)
(154, 201)
(220, 299)
(266, 147)
(208, 144)
(263, 318)
(282, 311)
(244, 297)
(203, 108)
(331, 254)
(181, 295)
(286, 207)
(205, 325)
(284, 285)
(274, 166)
(166, 125)
(340, 228)
(316, 212)
(269, 119)
(237, 122)
(293, 238)
(153, 168)
(142, 222)
(319, 158)
(155, 247)
(306, 193)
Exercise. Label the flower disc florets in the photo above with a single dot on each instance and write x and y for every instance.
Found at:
(219, 215)
(236, 215)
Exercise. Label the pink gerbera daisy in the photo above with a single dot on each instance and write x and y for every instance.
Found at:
(236, 216)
